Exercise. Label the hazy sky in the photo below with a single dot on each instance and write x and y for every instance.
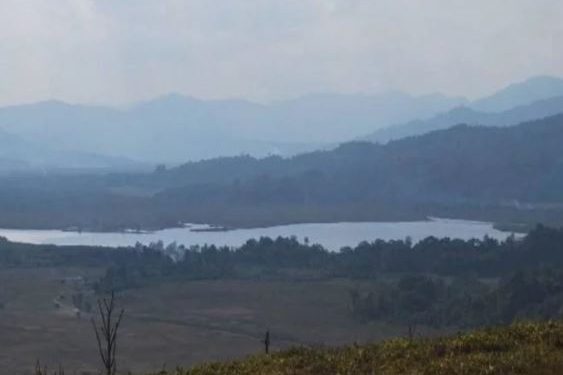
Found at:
(116, 51)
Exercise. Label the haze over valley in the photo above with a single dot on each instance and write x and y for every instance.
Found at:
(273, 187)
(508, 175)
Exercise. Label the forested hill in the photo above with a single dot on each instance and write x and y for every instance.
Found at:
(466, 171)
(505, 174)
(485, 164)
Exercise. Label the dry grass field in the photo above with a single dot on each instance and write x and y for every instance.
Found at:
(523, 348)
(170, 324)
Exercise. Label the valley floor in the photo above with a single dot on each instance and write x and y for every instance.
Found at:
(172, 323)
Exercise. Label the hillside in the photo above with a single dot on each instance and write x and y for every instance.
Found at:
(525, 348)
(490, 173)
(508, 174)
(520, 93)
(469, 116)
(19, 155)
(528, 100)
(460, 165)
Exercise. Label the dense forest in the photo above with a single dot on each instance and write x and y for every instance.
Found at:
(288, 258)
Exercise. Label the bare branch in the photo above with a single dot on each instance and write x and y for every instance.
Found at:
(107, 333)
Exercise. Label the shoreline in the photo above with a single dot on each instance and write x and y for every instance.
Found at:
(332, 236)
(508, 227)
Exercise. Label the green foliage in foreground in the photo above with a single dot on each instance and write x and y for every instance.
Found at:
(524, 348)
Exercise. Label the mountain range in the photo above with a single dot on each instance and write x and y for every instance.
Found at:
(470, 116)
(486, 173)
(493, 164)
(507, 174)
(17, 154)
(173, 129)
(520, 93)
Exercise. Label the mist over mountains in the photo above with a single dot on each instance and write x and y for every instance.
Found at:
(17, 154)
(470, 116)
(463, 163)
(174, 129)
(520, 93)
(289, 170)
(501, 174)
(532, 99)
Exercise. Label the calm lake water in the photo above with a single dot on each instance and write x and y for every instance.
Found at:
(332, 236)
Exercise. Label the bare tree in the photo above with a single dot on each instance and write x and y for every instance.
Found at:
(106, 332)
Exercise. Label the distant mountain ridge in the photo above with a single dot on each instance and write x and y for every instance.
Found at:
(460, 164)
(520, 93)
(469, 116)
(175, 128)
(524, 101)
(17, 154)
(509, 174)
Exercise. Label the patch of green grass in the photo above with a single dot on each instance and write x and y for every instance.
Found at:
(523, 348)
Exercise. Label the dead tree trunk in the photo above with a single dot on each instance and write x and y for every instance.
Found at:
(106, 332)
(267, 342)
(411, 331)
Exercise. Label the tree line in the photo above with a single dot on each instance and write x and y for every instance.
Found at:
(288, 258)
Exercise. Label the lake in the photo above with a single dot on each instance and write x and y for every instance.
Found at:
(332, 236)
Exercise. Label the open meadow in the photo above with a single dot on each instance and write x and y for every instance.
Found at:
(170, 324)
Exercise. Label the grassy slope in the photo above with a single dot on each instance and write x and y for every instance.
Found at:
(524, 348)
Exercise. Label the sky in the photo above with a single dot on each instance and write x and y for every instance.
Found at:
(120, 51)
